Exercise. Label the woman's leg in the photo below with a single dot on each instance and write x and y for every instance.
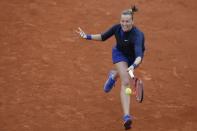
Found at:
(121, 67)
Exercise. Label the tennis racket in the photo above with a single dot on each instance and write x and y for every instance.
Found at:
(137, 88)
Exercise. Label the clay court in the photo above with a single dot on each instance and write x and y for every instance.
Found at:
(52, 80)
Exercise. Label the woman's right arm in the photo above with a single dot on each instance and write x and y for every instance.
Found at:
(99, 37)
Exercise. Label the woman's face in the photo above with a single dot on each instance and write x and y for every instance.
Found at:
(126, 22)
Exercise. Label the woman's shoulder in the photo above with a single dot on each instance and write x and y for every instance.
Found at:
(137, 30)
(116, 26)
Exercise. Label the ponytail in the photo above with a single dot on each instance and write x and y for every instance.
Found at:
(134, 9)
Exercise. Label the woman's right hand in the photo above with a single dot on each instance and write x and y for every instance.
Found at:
(81, 33)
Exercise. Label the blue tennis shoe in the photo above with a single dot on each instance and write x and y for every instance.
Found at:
(127, 122)
(110, 83)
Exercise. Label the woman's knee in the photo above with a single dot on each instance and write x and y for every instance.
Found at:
(125, 82)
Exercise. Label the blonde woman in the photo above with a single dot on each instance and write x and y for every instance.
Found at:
(127, 54)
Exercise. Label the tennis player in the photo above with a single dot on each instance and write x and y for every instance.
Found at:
(127, 54)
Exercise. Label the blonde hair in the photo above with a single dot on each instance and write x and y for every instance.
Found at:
(130, 11)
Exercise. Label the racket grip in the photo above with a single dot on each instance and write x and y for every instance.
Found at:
(131, 74)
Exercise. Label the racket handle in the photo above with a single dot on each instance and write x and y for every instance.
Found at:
(131, 74)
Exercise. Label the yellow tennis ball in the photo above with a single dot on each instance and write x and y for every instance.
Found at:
(128, 91)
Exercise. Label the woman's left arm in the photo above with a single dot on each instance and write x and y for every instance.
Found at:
(138, 51)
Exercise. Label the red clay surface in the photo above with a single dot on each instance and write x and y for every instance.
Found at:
(51, 80)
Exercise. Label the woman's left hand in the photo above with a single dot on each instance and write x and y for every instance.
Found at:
(130, 68)
(130, 71)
